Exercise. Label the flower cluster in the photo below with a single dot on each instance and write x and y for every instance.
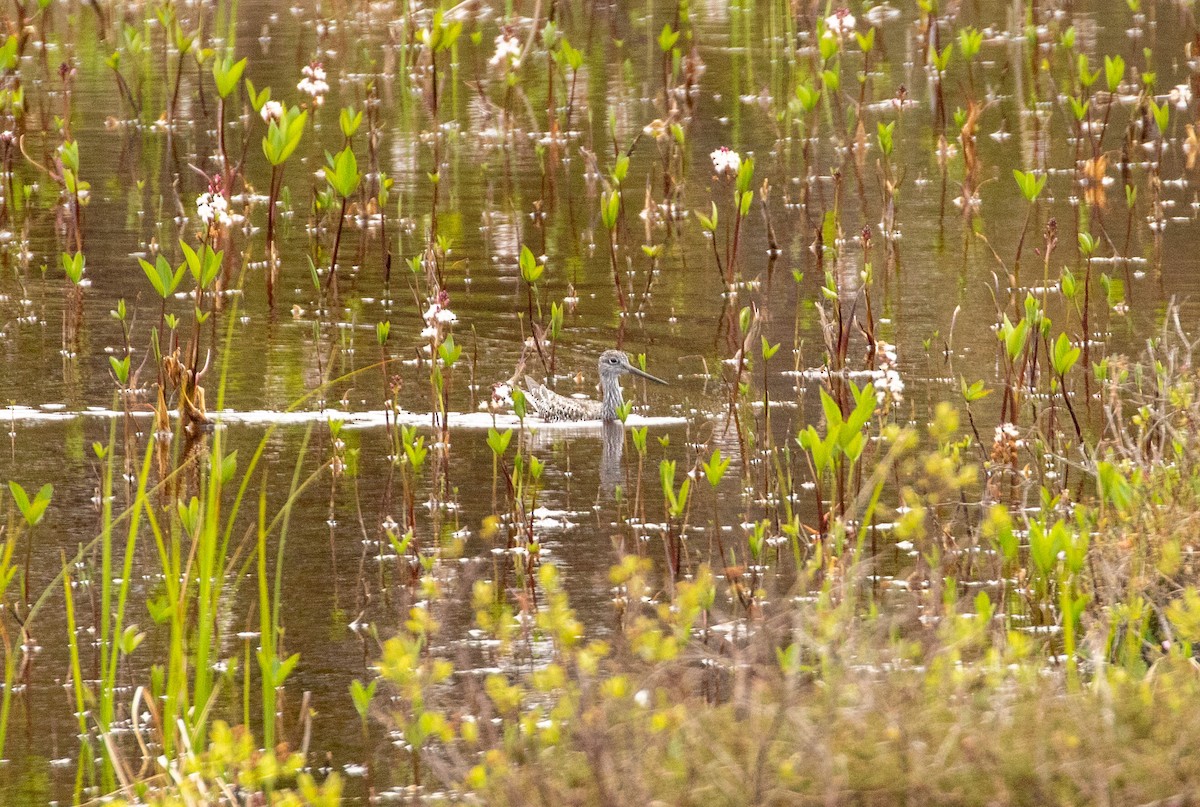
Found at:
(1005, 444)
(313, 83)
(508, 51)
(272, 111)
(889, 386)
(438, 317)
(840, 23)
(1181, 96)
(501, 395)
(213, 209)
(726, 162)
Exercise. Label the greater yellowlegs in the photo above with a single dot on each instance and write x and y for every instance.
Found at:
(549, 405)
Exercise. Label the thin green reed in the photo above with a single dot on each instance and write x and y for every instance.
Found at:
(8, 573)
(652, 54)
(266, 629)
(739, 40)
(211, 552)
(106, 518)
(85, 771)
(76, 667)
(208, 569)
(118, 642)
(275, 672)
(747, 13)
(778, 80)
(171, 687)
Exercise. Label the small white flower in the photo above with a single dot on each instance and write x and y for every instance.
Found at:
(1181, 96)
(840, 23)
(893, 385)
(726, 162)
(1006, 431)
(437, 316)
(213, 208)
(508, 51)
(271, 111)
(313, 82)
(886, 352)
(889, 386)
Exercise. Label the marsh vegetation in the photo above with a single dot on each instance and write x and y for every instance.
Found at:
(913, 521)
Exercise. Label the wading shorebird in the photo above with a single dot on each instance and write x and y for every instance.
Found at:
(549, 405)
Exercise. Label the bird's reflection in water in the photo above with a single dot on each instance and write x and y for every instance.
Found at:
(580, 444)
(612, 445)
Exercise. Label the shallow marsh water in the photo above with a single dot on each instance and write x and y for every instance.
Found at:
(500, 189)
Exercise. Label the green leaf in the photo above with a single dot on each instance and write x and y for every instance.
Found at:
(228, 467)
(620, 169)
(342, 173)
(154, 276)
(833, 413)
(257, 99)
(120, 369)
(940, 60)
(884, 134)
(73, 266)
(610, 208)
(1086, 77)
(519, 404)
(1031, 184)
(498, 441)
(768, 350)
(349, 121)
(227, 73)
(1014, 337)
(745, 176)
(969, 42)
(192, 260)
(715, 467)
(974, 392)
(1114, 71)
(1068, 284)
(808, 95)
(667, 38)
(362, 696)
(31, 511)
(1162, 116)
(449, 352)
(866, 42)
(1087, 243)
(531, 270)
(1080, 108)
(8, 53)
(283, 136)
(1065, 355)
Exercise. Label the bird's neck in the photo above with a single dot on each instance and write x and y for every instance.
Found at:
(612, 399)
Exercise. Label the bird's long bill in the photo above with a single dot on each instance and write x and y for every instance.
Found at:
(646, 375)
